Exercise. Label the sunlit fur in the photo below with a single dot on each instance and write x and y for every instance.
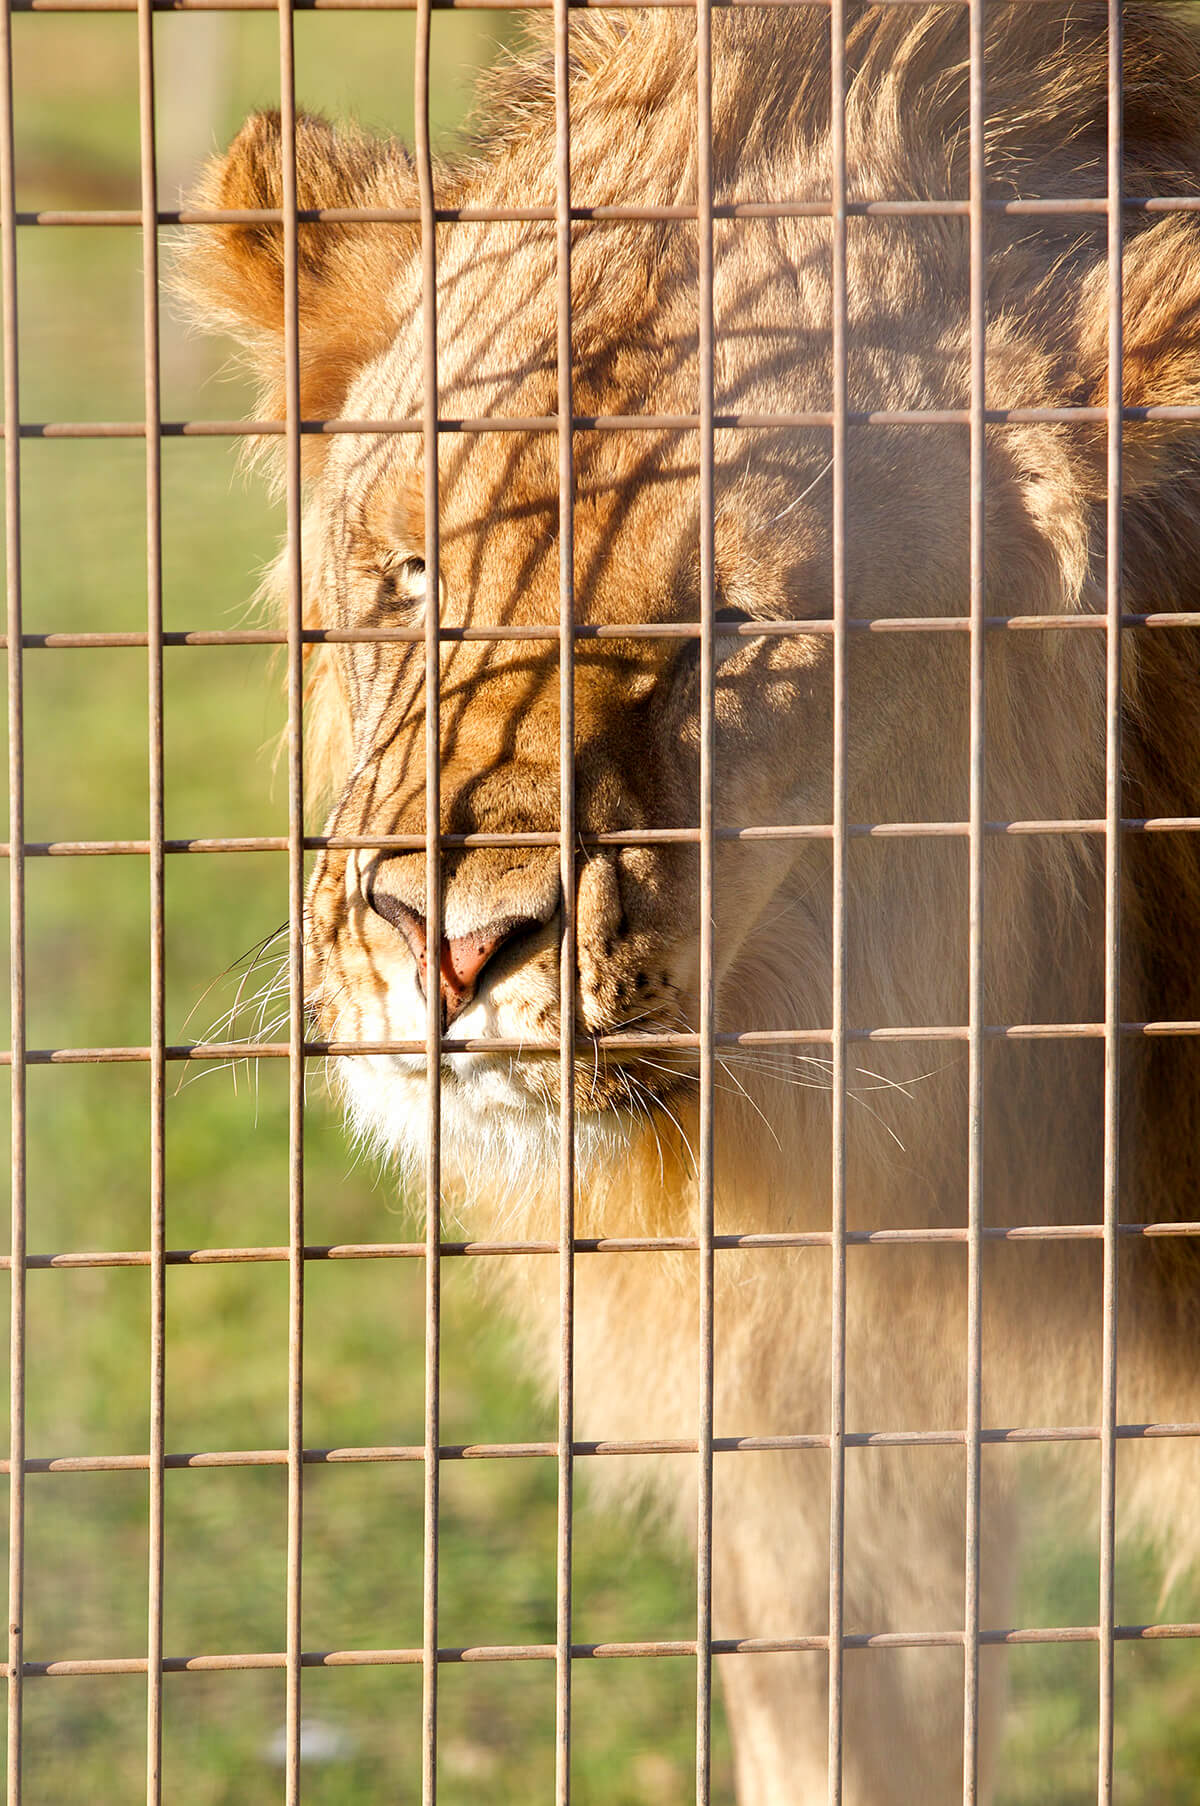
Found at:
(637, 701)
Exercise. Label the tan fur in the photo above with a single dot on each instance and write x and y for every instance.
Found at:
(633, 137)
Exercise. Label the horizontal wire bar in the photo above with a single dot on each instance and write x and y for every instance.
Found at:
(617, 1042)
(616, 837)
(385, 1454)
(546, 1652)
(604, 423)
(605, 1244)
(632, 630)
(1035, 207)
(406, 6)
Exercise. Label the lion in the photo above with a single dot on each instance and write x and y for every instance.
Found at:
(637, 701)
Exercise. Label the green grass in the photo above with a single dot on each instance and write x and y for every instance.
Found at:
(227, 1142)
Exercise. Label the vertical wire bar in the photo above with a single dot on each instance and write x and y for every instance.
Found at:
(433, 912)
(157, 874)
(975, 907)
(16, 882)
(837, 1292)
(566, 969)
(1112, 908)
(295, 696)
(707, 379)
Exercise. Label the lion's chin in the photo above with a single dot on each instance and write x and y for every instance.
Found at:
(492, 1122)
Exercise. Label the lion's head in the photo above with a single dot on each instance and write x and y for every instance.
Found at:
(637, 696)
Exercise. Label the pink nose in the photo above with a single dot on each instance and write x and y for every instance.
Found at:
(464, 959)
(461, 960)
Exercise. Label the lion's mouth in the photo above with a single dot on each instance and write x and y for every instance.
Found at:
(500, 1053)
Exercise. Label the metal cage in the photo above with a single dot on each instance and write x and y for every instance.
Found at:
(838, 1037)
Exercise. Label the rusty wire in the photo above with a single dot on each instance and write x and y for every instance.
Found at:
(385, 1453)
(626, 1042)
(239, 6)
(977, 81)
(706, 335)
(926, 830)
(547, 1652)
(1112, 912)
(840, 839)
(295, 946)
(567, 958)
(799, 629)
(157, 906)
(430, 428)
(1072, 415)
(607, 1244)
(896, 209)
(17, 964)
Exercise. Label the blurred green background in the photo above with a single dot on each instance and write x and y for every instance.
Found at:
(84, 551)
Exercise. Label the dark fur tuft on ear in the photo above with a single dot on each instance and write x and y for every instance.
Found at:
(231, 276)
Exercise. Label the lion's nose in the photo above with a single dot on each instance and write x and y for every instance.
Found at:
(461, 960)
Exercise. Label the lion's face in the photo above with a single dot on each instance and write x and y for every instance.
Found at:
(637, 712)
(637, 696)
(637, 708)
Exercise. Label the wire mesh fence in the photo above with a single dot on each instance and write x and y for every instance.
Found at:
(705, 1042)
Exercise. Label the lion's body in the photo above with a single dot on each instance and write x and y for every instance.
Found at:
(634, 291)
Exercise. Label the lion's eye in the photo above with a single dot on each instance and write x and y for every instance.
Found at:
(726, 645)
(407, 575)
(400, 584)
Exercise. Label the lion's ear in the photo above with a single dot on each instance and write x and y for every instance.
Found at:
(231, 276)
(1161, 309)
